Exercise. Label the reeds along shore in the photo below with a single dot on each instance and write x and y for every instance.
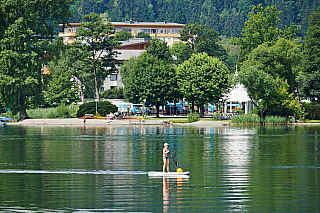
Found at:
(253, 119)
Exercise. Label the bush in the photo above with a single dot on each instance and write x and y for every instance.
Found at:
(104, 108)
(193, 117)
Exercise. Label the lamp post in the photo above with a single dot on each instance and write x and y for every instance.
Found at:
(183, 100)
(96, 100)
(144, 106)
(220, 100)
(68, 107)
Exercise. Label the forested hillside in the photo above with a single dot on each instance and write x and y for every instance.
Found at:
(225, 16)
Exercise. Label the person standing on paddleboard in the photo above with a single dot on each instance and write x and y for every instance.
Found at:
(166, 157)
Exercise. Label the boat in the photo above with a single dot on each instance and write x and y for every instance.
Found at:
(4, 119)
(169, 174)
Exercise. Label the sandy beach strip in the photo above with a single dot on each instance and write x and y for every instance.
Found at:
(106, 122)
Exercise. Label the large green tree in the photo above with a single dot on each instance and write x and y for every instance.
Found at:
(60, 88)
(269, 94)
(262, 27)
(96, 38)
(310, 82)
(181, 51)
(283, 59)
(151, 76)
(312, 43)
(202, 39)
(202, 79)
(26, 27)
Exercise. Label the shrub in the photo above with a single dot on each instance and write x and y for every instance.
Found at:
(193, 117)
(104, 108)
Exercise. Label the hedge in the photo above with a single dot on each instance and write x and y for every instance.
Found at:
(104, 108)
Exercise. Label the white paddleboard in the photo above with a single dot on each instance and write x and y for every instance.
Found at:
(169, 174)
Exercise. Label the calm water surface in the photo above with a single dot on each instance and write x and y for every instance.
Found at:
(104, 169)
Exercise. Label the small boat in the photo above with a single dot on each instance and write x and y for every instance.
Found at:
(169, 174)
(4, 119)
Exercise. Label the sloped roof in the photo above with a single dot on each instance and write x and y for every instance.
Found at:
(237, 94)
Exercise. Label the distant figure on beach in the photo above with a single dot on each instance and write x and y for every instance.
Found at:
(84, 120)
(166, 157)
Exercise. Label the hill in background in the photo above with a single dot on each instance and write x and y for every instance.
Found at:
(225, 16)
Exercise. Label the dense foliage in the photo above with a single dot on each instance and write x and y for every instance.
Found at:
(103, 108)
(116, 93)
(311, 77)
(225, 16)
(95, 38)
(151, 77)
(26, 29)
(202, 79)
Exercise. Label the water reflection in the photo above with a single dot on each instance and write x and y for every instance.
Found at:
(104, 168)
(165, 194)
(235, 149)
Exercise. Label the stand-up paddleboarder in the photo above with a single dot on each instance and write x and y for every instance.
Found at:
(166, 157)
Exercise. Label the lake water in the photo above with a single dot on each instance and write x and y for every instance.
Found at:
(104, 169)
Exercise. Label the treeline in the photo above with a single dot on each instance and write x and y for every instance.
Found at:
(225, 16)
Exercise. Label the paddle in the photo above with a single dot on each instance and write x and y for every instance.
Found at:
(174, 160)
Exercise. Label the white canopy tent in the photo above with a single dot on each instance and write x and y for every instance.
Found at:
(238, 96)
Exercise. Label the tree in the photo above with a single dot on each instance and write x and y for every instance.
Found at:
(202, 39)
(181, 51)
(311, 86)
(96, 39)
(260, 28)
(282, 59)
(160, 49)
(150, 78)
(312, 44)
(59, 88)
(123, 36)
(310, 83)
(143, 35)
(116, 93)
(26, 29)
(202, 79)
(269, 94)
(260, 85)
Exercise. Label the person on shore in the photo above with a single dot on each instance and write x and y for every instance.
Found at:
(166, 154)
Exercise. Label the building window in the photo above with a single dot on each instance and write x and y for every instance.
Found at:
(113, 77)
(127, 30)
(145, 30)
(113, 87)
(161, 31)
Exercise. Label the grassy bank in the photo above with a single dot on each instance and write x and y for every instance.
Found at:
(253, 119)
(62, 111)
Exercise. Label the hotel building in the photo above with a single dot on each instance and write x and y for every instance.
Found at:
(169, 32)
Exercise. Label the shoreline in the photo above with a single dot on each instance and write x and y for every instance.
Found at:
(107, 122)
